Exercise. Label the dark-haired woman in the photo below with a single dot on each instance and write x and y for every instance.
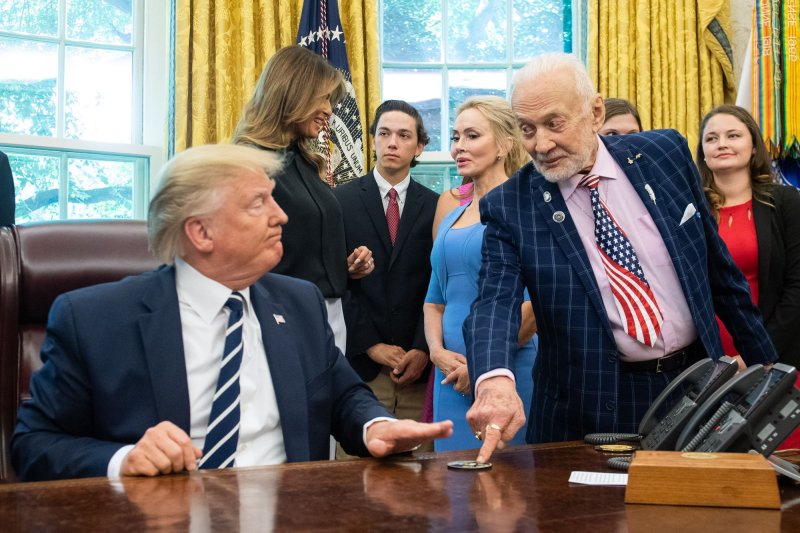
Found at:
(759, 220)
(622, 118)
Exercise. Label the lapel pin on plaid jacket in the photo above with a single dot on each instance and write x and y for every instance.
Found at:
(650, 192)
(637, 156)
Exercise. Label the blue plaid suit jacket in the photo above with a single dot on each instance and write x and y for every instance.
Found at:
(576, 378)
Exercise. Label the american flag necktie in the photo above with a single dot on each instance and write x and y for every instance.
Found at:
(635, 300)
(393, 214)
(222, 435)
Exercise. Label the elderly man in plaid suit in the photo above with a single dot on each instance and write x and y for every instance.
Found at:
(612, 238)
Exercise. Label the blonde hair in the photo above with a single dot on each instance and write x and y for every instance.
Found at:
(193, 183)
(504, 128)
(286, 95)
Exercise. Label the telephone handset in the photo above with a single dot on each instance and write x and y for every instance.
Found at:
(757, 409)
(665, 418)
(660, 425)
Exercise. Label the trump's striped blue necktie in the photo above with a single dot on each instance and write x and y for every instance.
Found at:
(222, 435)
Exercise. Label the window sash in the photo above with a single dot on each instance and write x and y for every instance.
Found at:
(575, 41)
(148, 107)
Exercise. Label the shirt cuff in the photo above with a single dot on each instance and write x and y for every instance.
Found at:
(493, 374)
(115, 464)
(368, 424)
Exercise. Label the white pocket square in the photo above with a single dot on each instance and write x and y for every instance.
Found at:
(688, 213)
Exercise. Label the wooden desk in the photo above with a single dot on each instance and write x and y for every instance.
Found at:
(526, 490)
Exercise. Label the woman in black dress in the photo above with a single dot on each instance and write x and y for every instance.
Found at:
(291, 105)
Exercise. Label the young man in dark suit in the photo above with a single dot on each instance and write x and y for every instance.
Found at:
(392, 215)
(207, 362)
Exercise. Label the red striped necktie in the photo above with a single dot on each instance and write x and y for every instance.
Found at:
(393, 214)
(635, 300)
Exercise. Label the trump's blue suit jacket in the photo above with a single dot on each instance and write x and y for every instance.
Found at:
(114, 366)
(531, 241)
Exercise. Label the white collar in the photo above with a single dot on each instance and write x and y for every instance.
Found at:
(206, 296)
(384, 186)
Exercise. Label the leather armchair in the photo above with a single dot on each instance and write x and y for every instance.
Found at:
(37, 263)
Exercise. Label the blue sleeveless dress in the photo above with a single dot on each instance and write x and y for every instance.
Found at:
(455, 262)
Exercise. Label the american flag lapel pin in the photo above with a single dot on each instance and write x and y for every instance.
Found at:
(279, 319)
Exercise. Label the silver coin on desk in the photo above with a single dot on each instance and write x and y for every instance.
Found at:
(468, 465)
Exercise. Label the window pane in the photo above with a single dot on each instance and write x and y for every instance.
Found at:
(412, 31)
(435, 176)
(28, 87)
(100, 22)
(476, 31)
(36, 17)
(100, 189)
(98, 94)
(538, 27)
(36, 182)
(465, 83)
(423, 90)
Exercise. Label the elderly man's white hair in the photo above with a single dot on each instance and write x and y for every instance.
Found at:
(545, 64)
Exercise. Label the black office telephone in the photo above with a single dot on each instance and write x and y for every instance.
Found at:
(663, 421)
(756, 410)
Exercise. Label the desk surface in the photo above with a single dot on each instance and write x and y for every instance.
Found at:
(526, 490)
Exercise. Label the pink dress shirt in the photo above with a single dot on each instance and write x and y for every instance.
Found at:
(627, 208)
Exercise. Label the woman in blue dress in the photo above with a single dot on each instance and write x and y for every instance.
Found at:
(487, 149)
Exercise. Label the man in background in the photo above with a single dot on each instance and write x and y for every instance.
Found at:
(392, 215)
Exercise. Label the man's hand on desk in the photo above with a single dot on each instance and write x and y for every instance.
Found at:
(385, 437)
(496, 415)
(164, 448)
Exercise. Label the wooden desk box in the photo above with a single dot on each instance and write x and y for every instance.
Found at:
(711, 479)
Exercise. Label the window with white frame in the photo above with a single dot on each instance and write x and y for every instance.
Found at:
(437, 53)
(82, 105)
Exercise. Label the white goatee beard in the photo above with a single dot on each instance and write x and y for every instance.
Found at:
(574, 166)
(554, 177)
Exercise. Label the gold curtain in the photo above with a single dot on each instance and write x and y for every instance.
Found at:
(221, 47)
(671, 58)
(360, 21)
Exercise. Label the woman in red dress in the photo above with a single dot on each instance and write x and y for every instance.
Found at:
(759, 220)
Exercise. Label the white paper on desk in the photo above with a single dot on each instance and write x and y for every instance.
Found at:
(598, 478)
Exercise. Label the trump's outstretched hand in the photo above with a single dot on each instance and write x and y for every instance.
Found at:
(388, 437)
